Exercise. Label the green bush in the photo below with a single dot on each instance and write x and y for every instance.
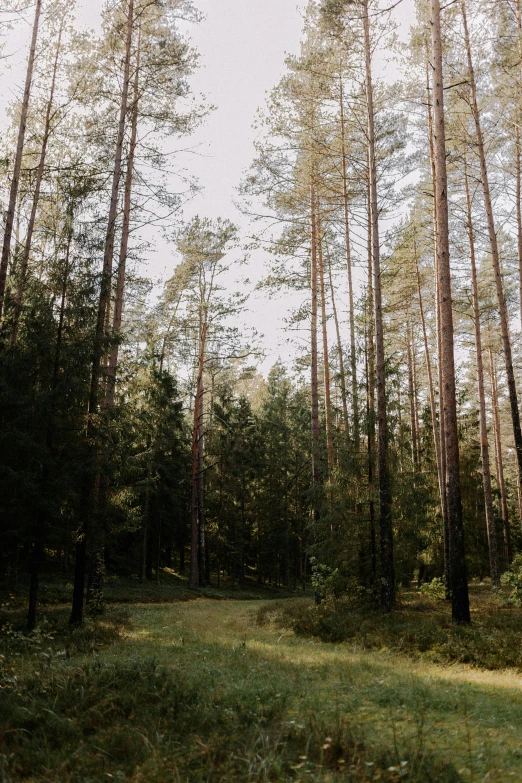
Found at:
(513, 579)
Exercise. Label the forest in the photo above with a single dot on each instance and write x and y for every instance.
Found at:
(224, 561)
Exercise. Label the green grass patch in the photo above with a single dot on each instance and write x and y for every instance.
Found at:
(198, 691)
(420, 627)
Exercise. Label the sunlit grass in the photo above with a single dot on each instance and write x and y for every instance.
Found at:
(259, 703)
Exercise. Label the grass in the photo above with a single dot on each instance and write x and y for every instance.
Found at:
(56, 588)
(420, 627)
(199, 691)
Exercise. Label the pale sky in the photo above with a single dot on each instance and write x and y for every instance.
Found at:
(242, 46)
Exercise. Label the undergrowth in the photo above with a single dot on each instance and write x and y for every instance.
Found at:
(420, 627)
(143, 721)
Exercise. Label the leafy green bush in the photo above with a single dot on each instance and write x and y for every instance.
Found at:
(513, 579)
(418, 628)
(434, 589)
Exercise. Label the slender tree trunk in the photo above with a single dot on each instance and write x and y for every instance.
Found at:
(495, 256)
(125, 233)
(411, 395)
(194, 579)
(499, 460)
(442, 426)
(15, 181)
(339, 350)
(518, 161)
(89, 492)
(433, 407)
(484, 445)
(36, 196)
(518, 154)
(326, 357)
(37, 548)
(385, 501)
(346, 206)
(316, 468)
(416, 400)
(203, 576)
(457, 564)
(370, 395)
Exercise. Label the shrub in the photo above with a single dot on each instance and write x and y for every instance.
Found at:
(513, 579)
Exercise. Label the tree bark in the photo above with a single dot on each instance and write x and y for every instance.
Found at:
(316, 468)
(411, 395)
(442, 427)
(433, 406)
(504, 514)
(13, 192)
(194, 579)
(125, 233)
(457, 560)
(370, 392)
(36, 196)
(346, 207)
(326, 357)
(339, 350)
(484, 445)
(385, 501)
(90, 492)
(495, 256)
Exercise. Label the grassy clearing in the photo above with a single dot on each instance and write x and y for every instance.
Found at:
(200, 692)
(420, 627)
(56, 588)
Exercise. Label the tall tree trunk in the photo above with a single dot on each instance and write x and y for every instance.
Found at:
(442, 427)
(15, 181)
(370, 393)
(194, 579)
(346, 206)
(484, 446)
(457, 559)
(495, 256)
(518, 160)
(202, 538)
(36, 196)
(518, 153)
(326, 357)
(37, 547)
(89, 491)
(411, 395)
(499, 460)
(125, 233)
(385, 502)
(339, 350)
(433, 407)
(316, 468)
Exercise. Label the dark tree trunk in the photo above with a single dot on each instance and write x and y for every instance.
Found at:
(457, 564)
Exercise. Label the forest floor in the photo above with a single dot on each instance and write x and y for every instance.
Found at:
(201, 691)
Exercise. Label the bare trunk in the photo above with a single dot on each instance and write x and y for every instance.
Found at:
(353, 355)
(194, 579)
(36, 198)
(433, 407)
(457, 564)
(339, 350)
(326, 357)
(370, 393)
(499, 460)
(484, 446)
(411, 395)
(495, 256)
(15, 181)
(316, 469)
(90, 492)
(125, 233)
(442, 427)
(385, 503)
